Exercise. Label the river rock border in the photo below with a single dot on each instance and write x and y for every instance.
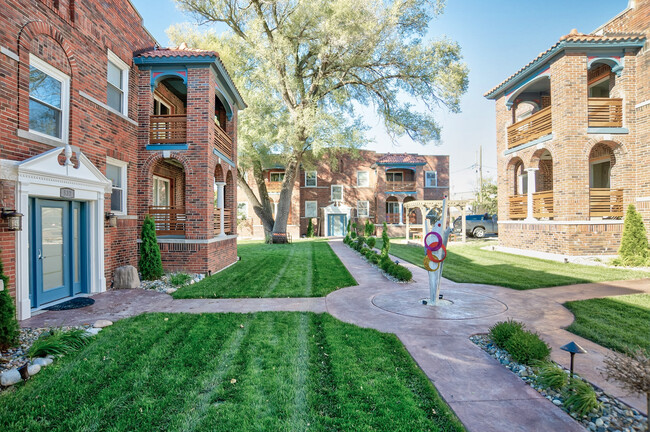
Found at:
(614, 416)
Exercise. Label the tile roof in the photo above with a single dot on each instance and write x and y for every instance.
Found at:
(404, 158)
(180, 51)
(574, 37)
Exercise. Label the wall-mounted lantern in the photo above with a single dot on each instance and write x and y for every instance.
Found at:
(14, 219)
(112, 219)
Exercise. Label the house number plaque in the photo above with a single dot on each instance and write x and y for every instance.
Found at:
(67, 193)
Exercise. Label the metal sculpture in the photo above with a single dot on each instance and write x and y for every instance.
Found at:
(436, 253)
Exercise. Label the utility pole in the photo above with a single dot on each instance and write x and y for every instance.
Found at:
(480, 174)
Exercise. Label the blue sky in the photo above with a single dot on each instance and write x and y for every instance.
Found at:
(497, 38)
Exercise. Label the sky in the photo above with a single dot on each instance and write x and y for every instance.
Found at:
(497, 37)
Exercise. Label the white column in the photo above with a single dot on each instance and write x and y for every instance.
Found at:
(407, 225)
(401, 212)
(220, 206)
(464, 225)
(531, 191)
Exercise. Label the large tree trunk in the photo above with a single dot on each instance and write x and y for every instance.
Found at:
(261, 207)
(284, 205)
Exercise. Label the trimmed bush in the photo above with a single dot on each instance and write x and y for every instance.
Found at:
(526, 347)
(371, 242)
(353, 235)
(580, 397)
(310, 229)
(401, 273)
(8, 323)
(549, 375)
(150, 262)
(369, 228)
(385, 248)
(502, 331)
(634, 243)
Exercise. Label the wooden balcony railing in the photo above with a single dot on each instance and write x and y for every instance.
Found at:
(392, 218)
(518, 206)
(167, 129)
(543, 204)
(530, 128)
(222, 141)
(605, 202)
(169, 220)
(605, 112)
(400, 186)
(227, 222)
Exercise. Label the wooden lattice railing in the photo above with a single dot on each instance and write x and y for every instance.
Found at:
(168, 129)
(400, 186)
(227, 222)
(222, 141)
(530, 128)
(518, 206)
(392, 218)
(605, 202)
(543, 204)
(605, 112)
(169, 220)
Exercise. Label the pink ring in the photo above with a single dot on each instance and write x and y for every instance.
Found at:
(437, 246)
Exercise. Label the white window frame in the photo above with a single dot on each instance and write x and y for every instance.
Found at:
(162, 102)
(65, 96)
(169, 188)
(123, 166)
(367, 208)
(426, 181)
(113, 58)
(279, 173)
(368, 179)
(244, 211)
(315, 213)
(332, 192)
(315, 178)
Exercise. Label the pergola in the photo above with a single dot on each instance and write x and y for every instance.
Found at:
(427, 206)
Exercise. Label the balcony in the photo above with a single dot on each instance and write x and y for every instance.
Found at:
(392, 218)
(605, 202)
(605, 112)
(227, 222)
(169, 220)
(530, 128)
(518, 205)
(543, 204)
(400, 186)
(222, 141)
(273, 187)
(168, 129)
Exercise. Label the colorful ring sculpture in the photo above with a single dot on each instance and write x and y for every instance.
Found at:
(431, 248)
(434, 258)
(437, 245)
(428, 267)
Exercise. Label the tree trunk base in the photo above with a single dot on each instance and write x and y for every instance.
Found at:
(280, 238)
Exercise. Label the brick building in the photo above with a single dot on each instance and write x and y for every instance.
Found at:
(98, 127)
(361, 186)
(573, 142)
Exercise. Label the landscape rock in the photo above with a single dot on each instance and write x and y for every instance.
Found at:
(126, 277)
(10, 377)
(42, 361)
(102, 323)
(33, 369)
(170, 291)
(93, 331)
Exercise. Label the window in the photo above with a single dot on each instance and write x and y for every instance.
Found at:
(363, 179)
(116, 173)
(310, 178)
(394, 176)
(392, 207)
(430, 179)
(311, 209)
(161, 191)
(117, 75)
(49, 95)
(337, 193)
(277, 176)
(160, 107)
(363, 209)
(242, 210)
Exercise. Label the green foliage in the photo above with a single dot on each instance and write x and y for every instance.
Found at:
(634, 249)
(150, 261)
(485, 200)
(349, 226)
(179, 279)
(369, 228)
(57, 342)
(353, 234)
(527, 347)
(371, 241)
(501, 332)
(385, 248)
(550, 375)
(310, 229)
(401, 273)
(8, 323)
(580, 397)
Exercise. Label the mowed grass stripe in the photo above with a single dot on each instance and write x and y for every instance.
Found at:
(304, 268)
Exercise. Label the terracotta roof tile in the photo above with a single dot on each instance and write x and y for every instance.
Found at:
(400, 158)
(180, 51)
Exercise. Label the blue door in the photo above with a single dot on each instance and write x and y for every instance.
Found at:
(336, 225)
(58, 249)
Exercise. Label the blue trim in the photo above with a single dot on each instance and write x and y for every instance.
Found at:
(155, 147)
(166, 73)
(224, 101)
(222, 156)
(401, 165)
(608, 130)
(395, 192)
(179, 60)
(330, 224)
(529, 144)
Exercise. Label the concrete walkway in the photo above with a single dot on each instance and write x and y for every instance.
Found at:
(484, 394)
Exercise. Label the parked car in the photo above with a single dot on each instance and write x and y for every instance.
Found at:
(477, 225)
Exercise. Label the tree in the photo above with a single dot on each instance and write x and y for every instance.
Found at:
(632, 371)
(150, 261)
(485, 200)
(8, 323)
(310, 229)
(305, 68)
(385, 246)
(634, 244)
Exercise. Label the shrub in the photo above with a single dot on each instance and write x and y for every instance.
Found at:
(385, 263)
(369, 228)
(364, 251)
(502, 331)
(150, 262)
(57, 342)
(371, 242)
(401, 273)
(178, 279)
(8, 323)
(549, 375)
(526, 347)
(632, 370)
(353, 234)
(310, 229)
(634, 243)
(374, 258)
(580, 397)
(385, 248)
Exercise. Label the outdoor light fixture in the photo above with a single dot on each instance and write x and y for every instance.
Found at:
(24, 371)
(112, 219)
(573, 348)
(14, 219)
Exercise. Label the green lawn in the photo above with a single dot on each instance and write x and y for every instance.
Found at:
(231, 372)
(619, 323)
(469, 263)
(301, 269)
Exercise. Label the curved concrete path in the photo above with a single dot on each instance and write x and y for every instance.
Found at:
(484, 394)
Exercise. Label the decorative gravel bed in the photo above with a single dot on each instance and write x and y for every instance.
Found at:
(614, 415)
(164, 284)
